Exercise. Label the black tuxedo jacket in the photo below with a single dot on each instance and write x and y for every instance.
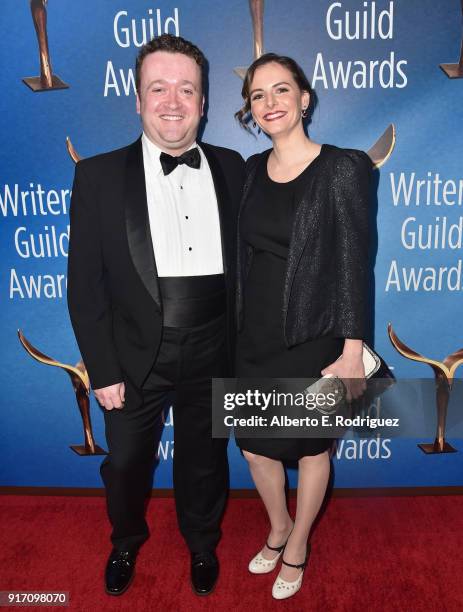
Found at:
(327, 272)
(113, 292)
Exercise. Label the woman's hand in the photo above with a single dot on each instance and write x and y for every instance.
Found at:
(349, 368)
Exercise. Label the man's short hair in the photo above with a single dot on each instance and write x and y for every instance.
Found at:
(170, 44)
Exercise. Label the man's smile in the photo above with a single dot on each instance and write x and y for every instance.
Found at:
(172, 117)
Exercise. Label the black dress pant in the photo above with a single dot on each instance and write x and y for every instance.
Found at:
(188, 358)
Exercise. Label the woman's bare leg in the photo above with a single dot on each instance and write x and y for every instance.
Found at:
(269, 478)
(314, 472)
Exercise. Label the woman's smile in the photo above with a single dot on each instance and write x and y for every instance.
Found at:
(274, 115)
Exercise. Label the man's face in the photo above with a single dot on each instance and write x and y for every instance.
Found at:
(170, 100)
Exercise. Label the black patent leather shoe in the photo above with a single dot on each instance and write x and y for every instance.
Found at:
(204, 572)
(120, 571)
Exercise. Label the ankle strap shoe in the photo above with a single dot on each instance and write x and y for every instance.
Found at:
(260, 565)
(282, 589)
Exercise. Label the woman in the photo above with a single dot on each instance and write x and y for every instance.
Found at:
(301, 290)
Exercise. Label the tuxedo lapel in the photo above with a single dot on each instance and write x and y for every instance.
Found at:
(137, 221)
(223, 204)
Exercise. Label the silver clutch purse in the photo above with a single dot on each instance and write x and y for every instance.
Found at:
(374, 366)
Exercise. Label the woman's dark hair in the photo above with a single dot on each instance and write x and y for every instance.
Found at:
(244, 114)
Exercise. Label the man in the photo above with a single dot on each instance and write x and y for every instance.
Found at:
(151, 295)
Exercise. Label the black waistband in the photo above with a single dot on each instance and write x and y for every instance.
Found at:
(191, 286)
(188, 301)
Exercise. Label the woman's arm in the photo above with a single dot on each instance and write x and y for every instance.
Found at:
(351, 192)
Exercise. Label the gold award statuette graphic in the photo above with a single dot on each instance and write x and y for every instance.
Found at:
(81, 384)
(72, 152)
(444, 372)
(257, 15)
(380, 152)
(47, 81)
(455, 71)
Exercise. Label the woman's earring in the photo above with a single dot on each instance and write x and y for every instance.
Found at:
(254, 124)
(304, 113)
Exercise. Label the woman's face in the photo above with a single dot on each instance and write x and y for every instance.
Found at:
(276, 100)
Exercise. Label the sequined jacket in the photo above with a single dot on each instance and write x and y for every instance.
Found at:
(325, 289)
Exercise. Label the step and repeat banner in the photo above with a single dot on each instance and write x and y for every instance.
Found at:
(389, 79)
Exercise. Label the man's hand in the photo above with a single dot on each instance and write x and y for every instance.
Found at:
(111, 397)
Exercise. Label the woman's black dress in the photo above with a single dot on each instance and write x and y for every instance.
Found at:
(266, 225)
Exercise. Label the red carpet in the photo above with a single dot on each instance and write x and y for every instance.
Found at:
(368, 554)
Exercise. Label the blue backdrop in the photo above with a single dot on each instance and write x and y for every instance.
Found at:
(366, 78)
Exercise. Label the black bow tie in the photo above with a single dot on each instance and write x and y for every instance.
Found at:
(191, 158)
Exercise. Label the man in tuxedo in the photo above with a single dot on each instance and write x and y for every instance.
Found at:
(151, 285)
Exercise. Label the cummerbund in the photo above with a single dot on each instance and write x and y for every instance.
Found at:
(188, 301)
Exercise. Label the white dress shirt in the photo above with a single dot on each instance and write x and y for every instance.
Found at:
(183, 216)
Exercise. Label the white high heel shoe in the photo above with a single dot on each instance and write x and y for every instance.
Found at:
(282, 589)
(260, 565)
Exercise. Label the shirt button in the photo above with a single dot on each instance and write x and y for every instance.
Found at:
(181, 186)
(190, 249)
(186, 216)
